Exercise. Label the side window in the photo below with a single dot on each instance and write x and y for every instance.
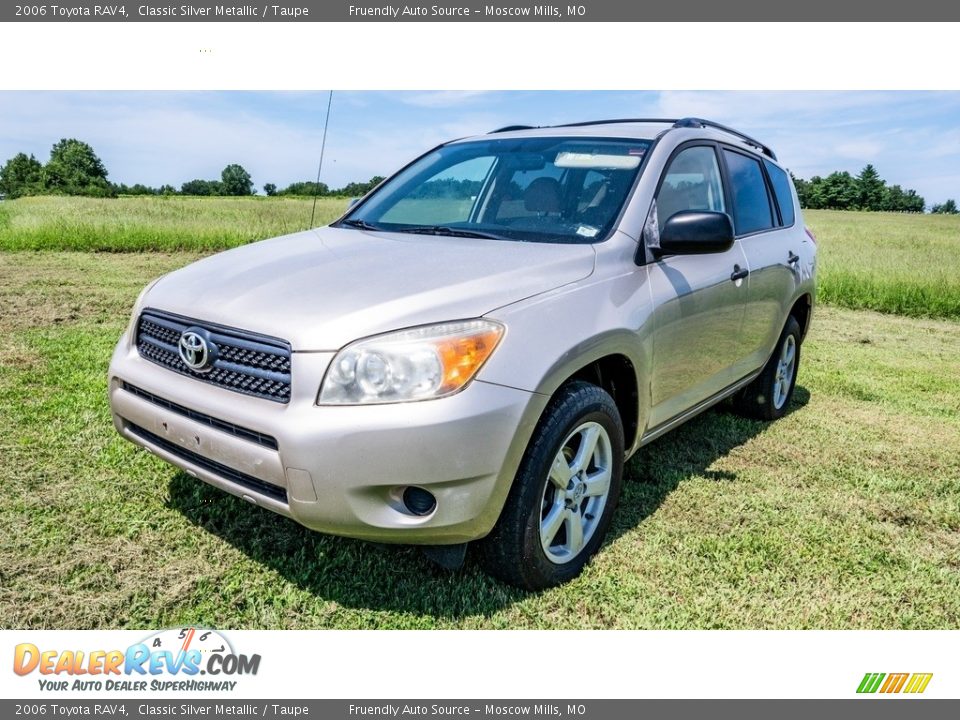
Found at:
(751, 205)
(781, 188)
(692, 182)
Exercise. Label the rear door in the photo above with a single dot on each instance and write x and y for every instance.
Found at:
(698, 306)
(765, 230)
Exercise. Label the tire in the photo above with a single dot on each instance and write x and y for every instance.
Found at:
(769, 395)
(536, 543)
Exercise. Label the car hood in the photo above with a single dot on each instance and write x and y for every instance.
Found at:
(321, 289)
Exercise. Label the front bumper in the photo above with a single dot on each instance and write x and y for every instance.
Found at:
(338, 470)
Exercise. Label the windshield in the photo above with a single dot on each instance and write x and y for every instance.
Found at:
(543, 189)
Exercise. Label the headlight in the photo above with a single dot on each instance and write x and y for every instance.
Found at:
(417, 364)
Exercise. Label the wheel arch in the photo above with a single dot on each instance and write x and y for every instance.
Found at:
(801, 310)
(614, 362)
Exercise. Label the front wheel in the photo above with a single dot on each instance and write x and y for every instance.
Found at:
(564, 494)
(768, 396)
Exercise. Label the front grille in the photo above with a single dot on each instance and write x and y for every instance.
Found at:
(245, 363)
(259, 438)
(235, 476)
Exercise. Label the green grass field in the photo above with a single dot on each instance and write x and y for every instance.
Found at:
(888, 262)
(165, 224)
(845, 514)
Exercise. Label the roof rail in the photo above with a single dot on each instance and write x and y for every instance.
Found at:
(688, 122)
(692, 122)
(618, 121)
(511, 128)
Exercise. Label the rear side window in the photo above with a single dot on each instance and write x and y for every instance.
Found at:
(781, 188)
(751, 205)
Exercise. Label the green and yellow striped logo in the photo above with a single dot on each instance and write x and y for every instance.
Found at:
(894, 683)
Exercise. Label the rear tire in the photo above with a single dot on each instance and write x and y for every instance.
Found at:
(769, 395)
(564, 493)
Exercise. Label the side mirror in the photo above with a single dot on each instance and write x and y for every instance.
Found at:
(692, 232)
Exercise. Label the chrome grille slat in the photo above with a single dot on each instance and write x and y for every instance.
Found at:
(247, 363)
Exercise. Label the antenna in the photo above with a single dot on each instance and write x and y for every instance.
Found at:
(323, 146)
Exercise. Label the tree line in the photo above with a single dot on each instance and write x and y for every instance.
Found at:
(75, 169)
(866, 191)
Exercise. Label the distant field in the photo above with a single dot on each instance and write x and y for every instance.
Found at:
(889, 262)
(154, 223)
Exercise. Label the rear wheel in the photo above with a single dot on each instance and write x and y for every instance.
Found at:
(564, 494)
(768, 396)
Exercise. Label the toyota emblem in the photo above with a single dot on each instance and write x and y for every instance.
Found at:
(195, 350)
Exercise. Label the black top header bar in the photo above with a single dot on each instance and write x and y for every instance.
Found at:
(481, 11)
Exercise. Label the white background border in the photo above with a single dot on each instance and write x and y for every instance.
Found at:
(495, 56)
(276, 56)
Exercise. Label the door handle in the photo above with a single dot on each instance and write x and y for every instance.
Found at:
(739, 273)
(792, 259)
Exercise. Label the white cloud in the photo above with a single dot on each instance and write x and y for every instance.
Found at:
(443, 98)
(859, 150)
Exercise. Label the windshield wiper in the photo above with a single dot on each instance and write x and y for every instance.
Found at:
(360, 224)
(444, 230)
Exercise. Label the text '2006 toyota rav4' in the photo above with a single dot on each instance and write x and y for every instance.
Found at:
(473, 351)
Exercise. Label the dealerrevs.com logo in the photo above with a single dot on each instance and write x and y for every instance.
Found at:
(182, 659)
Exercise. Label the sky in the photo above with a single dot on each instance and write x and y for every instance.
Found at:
(156, 138)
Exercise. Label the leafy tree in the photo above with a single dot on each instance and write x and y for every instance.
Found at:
(306, 188)
(913, 202)
(871, 189)
(21, 175)
(270, 189)
(75, 169)
(867, 191)
(236, 181)
(838, 191)
(167, 190)
(137, 189)
(202, 187)
(355, 189)
(947, 208)
(894, 199)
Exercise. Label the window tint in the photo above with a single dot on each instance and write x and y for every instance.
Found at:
(751, 206)
(692, 182)
(781, 188)
(540, 189)
(446, 197)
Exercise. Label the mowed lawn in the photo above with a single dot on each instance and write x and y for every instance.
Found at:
(845, 514)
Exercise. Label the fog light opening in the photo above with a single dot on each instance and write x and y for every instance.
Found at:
(419, 501)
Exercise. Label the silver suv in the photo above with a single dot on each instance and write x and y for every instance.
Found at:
(476, 347)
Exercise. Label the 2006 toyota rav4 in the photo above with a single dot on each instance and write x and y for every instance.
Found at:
(474, 350)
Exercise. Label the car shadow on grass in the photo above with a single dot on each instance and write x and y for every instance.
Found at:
(398, 579)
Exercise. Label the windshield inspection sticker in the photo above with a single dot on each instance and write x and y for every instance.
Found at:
(587, 231)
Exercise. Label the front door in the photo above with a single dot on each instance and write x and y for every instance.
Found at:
(699, 300)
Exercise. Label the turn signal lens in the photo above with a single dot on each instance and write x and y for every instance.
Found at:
(416, 364)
